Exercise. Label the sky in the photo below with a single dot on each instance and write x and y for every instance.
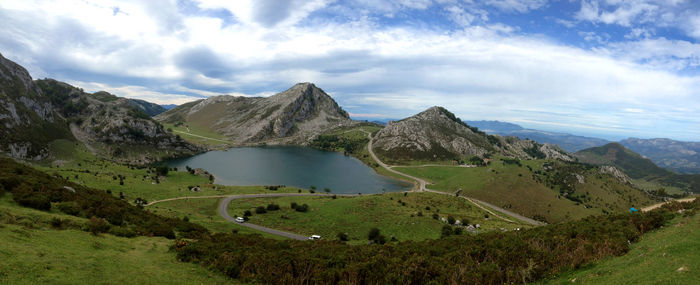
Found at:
(604, 68)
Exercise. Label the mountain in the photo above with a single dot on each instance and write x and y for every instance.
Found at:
(293, 116)
(28, 120)
(168, 106)
(152, 109)
(436, 134)
(628, 161)
(568, 142)
(682, 157)
(638, 167)
(37, 114)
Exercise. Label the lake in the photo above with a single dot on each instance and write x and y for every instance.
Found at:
(301, 167)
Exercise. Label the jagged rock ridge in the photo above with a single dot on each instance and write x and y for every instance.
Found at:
(293, 116)
(437, 134)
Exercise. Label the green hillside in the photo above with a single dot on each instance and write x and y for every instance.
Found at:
(633, 164)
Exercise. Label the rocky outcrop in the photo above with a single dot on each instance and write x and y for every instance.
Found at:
(612, 170)
(436, 134)
(293, 116)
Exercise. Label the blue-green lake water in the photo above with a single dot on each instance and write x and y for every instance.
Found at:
(301, 167)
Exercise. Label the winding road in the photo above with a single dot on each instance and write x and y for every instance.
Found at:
(422, 188)
(652, 207)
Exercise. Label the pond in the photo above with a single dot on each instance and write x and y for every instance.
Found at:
(301, 167)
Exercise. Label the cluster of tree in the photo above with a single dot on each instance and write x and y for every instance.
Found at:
(489, 258)
(337, 143)
(35, 189)
(299, 208)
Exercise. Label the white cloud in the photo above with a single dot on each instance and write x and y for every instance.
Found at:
(484, 71)
(520, 6)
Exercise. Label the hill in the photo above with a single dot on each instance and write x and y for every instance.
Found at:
(39, 117)
(436, 134)
(293, 116)
(682, 157)
(638, 167)
(152, 109)
(568, 142)
(628, 161)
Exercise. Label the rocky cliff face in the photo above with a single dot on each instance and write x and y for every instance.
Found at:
(293, 116)
(436, 134)
(28, 121)
(33, 114)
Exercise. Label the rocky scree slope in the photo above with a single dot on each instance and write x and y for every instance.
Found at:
(436, 134)
(293, 116)
(35, 113)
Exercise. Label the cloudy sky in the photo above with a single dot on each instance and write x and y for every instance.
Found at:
(608, 68)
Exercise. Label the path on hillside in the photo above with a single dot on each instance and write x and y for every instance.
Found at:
(652, 207)
(474, 201)
(201, 136)
(223, 209)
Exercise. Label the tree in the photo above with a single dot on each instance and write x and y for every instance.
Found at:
(162, 170)
(260, 210)
(247, 213)
(446, 230)
(451, 220)
(342, 236)
(373, 234)
(327, 190)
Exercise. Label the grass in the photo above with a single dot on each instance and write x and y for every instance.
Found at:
(33, 252)
(192, 133)
(504, 185)
(655, 259)
(651, 186)
(357, 215)
(203, 212)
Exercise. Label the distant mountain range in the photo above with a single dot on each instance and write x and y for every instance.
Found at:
(568, 142)
(678, 156)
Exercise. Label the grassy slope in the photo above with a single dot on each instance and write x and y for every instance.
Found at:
(655, 259)
(357, 215)
(32, 252)
(199, 132)
(508, 184)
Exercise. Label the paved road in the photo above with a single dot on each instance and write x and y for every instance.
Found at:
(422, 188)
(652, 207)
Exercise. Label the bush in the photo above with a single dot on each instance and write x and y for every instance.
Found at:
(273, 207)
(342, 236)
(247, 213)
(96, 225)
(446, 230)
(162, 170)
(293, 205)
(260, 210)
(302, 208)
(451, 220)
(373, 234)
(435, 216)
(56, 222)
(123, 232)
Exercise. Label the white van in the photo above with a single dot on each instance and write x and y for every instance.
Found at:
(240, 219)
(315, 237)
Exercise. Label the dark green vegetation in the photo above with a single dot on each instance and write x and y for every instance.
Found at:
(34, 189)
(638, 167)
(555, 191)
(491, 258)
(667, 256)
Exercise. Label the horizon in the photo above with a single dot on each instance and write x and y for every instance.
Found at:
(606, 69)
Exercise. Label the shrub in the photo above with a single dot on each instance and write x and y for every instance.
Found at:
(373, 233)
(96, 225)
(293, 205)
(56, 222)
(435, 216)
(260, 210)
(446, 230)
(247, 213)
(162, 170)
(302, 208)
(123, 232)
(451, 220)
(273, 207)
(342, 236)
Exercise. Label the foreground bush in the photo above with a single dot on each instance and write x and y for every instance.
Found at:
(490, 258)
(35, 189)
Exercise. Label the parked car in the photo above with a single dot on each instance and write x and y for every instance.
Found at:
(240, 219)
(315, 237)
